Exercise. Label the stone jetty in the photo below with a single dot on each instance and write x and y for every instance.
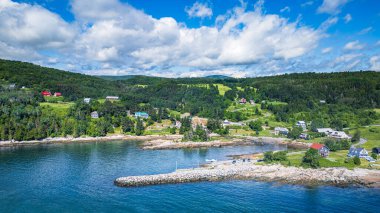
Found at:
(251, 171)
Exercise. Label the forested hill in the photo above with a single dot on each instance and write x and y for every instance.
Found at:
(355, 89)
(73, 85)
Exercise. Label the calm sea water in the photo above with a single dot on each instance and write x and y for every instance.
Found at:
(79, 178)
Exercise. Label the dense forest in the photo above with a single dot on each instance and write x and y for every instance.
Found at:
(335, 100)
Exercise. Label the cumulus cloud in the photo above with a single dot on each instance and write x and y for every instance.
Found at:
(331, 6)
(375, 63)
(308, 3)
(354, 45)
(109, 36)
(199, 10)
(326, 50)
(32, 26)
(347, 18)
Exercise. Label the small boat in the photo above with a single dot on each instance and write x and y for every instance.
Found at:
(211, 160)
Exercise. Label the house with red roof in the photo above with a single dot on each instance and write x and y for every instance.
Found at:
(243, 101)
(322, 149)
(45, 93)
(57, 94)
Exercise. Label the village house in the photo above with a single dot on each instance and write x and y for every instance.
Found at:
(229, 123)
(304, 136)
(45, 93)
(339, 135)
(141, 115)
(12, 86)
(87, 100)
(57, 94)
(112, 98)
(252, 102)
(322, 149)
(281, 130)
(94, 115)
(301, 124)
(358, 152)
(243, 101)
(178, 124)
(326, 131)
(322, 101)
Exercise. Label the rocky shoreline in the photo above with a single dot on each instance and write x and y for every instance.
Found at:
(250, 171)
(87, 139)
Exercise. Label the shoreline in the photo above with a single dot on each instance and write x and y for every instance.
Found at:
(60, 140)
(160, 144)
(225, 170)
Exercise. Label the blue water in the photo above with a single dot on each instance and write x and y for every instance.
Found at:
(79, 178)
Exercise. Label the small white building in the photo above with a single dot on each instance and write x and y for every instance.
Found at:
(229, 123)
(302, 124)
(112, 98)
(322, 101)
(87, 100)
(281, 130)
(12, 86)
(94, 115)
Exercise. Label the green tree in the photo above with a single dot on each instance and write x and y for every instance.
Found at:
(356, 137)
(357, 160)
(255, 125)
(295, 132)
(311, 158)
(139, 127)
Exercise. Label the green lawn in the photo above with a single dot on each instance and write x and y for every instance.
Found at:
(53, 99)
(372, 134)
(221, 87)
(61, 109)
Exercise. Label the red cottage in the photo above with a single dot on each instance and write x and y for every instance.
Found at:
(57, 94)
(45, 93)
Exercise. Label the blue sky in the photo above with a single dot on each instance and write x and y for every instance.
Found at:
(181, 38)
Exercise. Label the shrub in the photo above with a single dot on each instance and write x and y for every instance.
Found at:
(268, 156)
(374, 155)
(357, 160)
(280, 156)
(356, 137)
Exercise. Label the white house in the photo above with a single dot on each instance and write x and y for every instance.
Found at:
(326, 131)
(301, 124)
(281, 130)
(358, 152)
(94, 115)
(339, 135)
(87, 100)
(229, 123)
(112, 98)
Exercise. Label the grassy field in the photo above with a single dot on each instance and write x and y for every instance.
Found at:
(221, 87)
(158, 128)
(53, 99)
(61, 109)
(372, 134)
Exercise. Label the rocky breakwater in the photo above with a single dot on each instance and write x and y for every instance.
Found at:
(250, 171)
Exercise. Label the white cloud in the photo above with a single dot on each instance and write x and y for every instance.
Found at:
(331, 6)
(377, 43)
(365, 30)
(354, 45)
(308, 3)
(32, 26)
(375, 63)
(199, 10)
(326, 50)
(328, 23)
(108, 36)
(347, 18)
(285, 9)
